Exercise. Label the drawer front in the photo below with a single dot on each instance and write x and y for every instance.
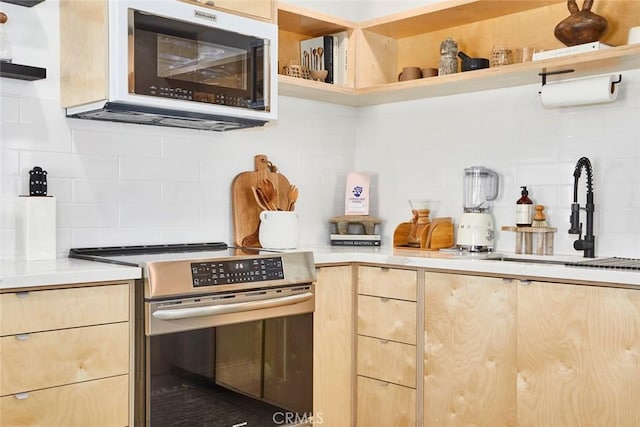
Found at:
(387, 282)
(100, 403)
(63, 308)
(384, 404)
(387, 361)
(387, 319)
(49, 359)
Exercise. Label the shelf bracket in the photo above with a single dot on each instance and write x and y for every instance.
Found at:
(544, 74)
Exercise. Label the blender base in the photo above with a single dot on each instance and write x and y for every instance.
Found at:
(475, 232)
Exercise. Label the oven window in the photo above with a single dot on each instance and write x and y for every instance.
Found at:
(259, 373)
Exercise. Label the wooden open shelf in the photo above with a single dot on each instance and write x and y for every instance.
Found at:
(380, 48)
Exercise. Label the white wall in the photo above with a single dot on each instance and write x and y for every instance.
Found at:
(419, 149)
(124, 184)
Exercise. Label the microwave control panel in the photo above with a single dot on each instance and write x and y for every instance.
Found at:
(219, 98)
(241, 270)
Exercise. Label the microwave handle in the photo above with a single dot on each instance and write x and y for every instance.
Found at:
(211, 310)
(256, 47)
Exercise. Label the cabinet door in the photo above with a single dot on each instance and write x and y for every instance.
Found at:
(387, 360)
(470, 351)
(384, 404)
(578, 356)
(47, 359)
(387, 282)
(24, 312)
(99, 403)
(386, 318)
(333, 334)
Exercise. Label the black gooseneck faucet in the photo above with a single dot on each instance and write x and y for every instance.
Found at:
(588, 245)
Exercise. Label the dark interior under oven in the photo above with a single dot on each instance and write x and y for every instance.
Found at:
(257, 373)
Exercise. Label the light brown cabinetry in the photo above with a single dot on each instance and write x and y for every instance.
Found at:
(383, 46)
(257, 9)
(333, 349)
(578, 355)
(519, 353)
(65, 356)
(386, 352)
(470, 351)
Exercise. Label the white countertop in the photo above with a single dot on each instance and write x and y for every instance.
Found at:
(478, 264)
(21, 274)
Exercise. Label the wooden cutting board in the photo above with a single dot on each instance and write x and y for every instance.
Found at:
(244, 207)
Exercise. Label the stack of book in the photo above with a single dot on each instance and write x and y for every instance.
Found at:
(329, 53)
(355, 240)
(571, 50)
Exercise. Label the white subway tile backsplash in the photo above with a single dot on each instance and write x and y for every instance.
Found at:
(158, 170)
(72, 215)
(69, 165)
(9, 109)
(116, 144)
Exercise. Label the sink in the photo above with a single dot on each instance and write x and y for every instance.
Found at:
(614, 263)
(508, 258)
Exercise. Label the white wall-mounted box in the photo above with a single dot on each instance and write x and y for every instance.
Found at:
(35, 228)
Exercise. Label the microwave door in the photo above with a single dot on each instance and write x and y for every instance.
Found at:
(260, 90)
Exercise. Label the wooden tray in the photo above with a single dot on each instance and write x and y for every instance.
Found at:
(244, 207)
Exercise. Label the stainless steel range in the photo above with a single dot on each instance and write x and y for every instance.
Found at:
(225, 335)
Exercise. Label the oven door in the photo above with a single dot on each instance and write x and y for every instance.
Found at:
(241, 359)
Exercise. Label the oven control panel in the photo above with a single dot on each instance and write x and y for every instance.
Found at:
(241, 270)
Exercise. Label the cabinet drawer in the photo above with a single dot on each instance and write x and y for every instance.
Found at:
(384, 404)
(387, 318)
(387, 361)
(48, 359)
(34, 311)
(387, 282)
(100, 403)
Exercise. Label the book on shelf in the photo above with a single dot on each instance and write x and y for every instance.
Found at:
(340, 57)
(355, 240)
(317, 54)
(571, 50)
(355, 243)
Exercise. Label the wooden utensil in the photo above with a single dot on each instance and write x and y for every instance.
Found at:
(259, 197)
(245, 208)
(292, 196)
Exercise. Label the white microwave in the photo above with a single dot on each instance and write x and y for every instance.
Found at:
(170, 63)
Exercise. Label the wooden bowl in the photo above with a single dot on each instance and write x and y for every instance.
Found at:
(319, 75)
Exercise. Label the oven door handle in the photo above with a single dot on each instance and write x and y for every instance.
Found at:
(212, 310)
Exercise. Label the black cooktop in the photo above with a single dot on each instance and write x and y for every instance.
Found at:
(148, 249)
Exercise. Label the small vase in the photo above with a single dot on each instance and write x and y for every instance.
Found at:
(582, 26)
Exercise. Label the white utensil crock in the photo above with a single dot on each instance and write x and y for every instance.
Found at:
(279, 229)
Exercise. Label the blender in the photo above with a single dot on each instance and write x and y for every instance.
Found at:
(475, 229)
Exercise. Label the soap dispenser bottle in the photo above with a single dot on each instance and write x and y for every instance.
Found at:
(524, 209)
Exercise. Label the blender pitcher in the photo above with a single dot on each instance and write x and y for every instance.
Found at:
(480, 187)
